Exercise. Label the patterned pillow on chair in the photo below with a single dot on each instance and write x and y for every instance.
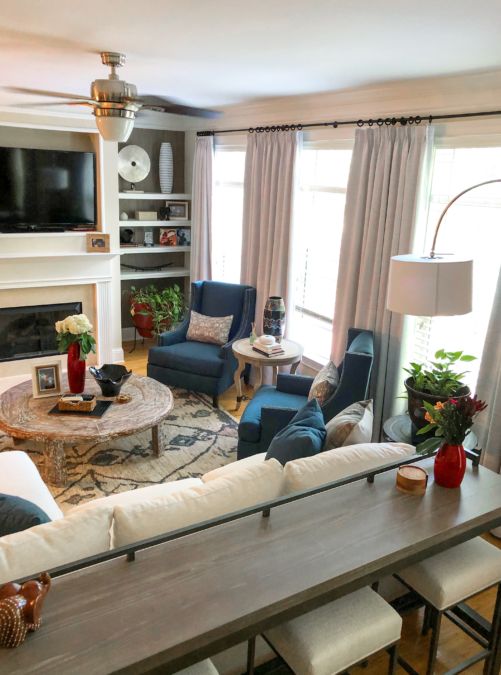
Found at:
(324, 384)
(213, 329)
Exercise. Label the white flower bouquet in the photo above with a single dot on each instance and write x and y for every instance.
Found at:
(75, 328)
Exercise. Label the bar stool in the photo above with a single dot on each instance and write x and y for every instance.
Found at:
(203, 668)
(449, 578)
(336, 636)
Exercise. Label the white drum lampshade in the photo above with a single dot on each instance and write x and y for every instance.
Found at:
(421, 286)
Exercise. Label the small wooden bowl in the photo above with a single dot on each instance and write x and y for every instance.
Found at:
(412, 479)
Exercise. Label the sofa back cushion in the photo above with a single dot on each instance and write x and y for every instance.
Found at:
(53, 544)
(152, 517)
(309, 472)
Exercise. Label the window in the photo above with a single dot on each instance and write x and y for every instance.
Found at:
(471, 227)
(227, 205)
(318, 227)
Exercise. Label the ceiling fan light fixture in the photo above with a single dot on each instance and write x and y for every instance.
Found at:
(115, 124)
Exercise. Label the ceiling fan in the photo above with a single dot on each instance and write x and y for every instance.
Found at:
(116, 103)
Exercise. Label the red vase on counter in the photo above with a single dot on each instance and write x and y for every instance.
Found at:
(76, 369)
(450, 465)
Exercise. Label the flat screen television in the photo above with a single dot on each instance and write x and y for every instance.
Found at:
(46, 190)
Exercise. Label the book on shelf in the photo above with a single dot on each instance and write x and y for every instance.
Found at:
(276, 351)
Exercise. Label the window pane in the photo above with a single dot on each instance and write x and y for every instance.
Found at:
(227, 214)
(318, 226)
(471, 228)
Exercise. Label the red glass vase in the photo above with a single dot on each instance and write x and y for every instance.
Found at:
(76, 369)
(450, 465)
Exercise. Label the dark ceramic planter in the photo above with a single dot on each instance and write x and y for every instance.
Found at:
(415, 406)
(110, 378)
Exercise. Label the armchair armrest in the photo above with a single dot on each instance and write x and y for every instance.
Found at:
(274, 420)
(173, 337)
(294, 384)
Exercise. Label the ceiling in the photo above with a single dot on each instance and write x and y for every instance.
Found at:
(218, 52)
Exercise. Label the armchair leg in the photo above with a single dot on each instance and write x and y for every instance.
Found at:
(215, 401)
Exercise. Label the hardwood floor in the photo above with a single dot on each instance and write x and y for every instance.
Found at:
(454, 645)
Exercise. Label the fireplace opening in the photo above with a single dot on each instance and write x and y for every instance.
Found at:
(28, 332)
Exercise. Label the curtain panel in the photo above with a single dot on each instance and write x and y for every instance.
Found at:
(201, 216)
(267, 215)
(387, 173)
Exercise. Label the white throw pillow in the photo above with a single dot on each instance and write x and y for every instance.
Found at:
(328, 466)
(240, 467)
(351, 426)
(43, 547)
(153, 517)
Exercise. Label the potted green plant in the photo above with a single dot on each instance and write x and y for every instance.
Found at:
(435, 382)
(154, 310)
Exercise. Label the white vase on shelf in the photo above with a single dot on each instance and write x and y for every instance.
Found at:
(166, 168)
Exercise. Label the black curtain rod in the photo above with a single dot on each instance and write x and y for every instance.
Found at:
(380, 121)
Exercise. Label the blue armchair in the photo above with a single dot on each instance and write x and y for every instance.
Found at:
(272, 408)
(199, 366)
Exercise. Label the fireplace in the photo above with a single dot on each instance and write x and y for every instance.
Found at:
(28, 332)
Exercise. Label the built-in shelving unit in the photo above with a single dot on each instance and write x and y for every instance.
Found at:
(161, 274)
(124, 250)
(153, 196)
(155, 223)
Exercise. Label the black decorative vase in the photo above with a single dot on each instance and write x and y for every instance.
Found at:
(110, 378)
(274, 317)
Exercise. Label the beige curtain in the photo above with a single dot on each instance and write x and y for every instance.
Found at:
(201, 215)
(386, 175)
(268, 198)
(488, 426)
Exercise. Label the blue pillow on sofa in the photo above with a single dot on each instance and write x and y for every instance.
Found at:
(18, 514)
(302, 437)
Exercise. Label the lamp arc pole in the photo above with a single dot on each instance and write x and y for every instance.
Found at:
(454, 199)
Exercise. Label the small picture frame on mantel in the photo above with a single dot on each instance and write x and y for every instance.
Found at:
(178, 210)
(98, 242)
(46, 379)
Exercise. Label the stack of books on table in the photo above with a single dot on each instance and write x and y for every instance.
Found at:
(271, 350)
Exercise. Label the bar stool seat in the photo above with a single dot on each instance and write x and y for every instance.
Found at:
(454, 575)
(340, 634)
(203, 668)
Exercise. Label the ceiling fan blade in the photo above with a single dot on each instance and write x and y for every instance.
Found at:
(151, 102)
(43, 92)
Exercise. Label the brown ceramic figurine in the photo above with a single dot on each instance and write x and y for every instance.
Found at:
(21, 609)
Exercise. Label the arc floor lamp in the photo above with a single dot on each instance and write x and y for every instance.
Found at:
(434, 285)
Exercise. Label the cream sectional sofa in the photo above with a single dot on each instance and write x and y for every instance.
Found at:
(103, 524)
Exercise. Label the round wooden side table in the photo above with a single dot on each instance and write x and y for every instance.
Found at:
(398, 429)
(242, 349)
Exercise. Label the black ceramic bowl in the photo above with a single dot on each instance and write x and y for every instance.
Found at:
(110, 378)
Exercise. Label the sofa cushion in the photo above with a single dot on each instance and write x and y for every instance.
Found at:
(332, 465)
(189, 357)
(153, 517)
(212, 329)
(302, 437)
(17, 514)
(249, 428)
(239, 467)
(351, 426)
(19, 477)
(62, 541)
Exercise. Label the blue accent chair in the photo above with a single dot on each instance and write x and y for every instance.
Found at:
(272, 408)
(199, 366)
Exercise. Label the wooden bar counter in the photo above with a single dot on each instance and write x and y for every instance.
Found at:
(184, 600)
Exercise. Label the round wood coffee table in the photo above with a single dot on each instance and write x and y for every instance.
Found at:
(242, 349)
(24, 417)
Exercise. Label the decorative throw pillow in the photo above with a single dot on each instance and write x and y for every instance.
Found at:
(18, 514)
(213, 329)
(324, 384)
(302, 437)
(351, 426)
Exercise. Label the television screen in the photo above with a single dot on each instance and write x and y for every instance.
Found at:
(46, 189)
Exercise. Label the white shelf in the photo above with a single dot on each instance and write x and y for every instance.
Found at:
(22, 235)
(59, 254)
(172, 272)
(155, 223)
(152, 196)
(127, 250)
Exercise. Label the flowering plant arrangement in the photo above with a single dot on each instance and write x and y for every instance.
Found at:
(452, 420)
(75, 328)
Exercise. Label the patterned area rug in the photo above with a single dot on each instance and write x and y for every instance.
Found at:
(196, 438)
